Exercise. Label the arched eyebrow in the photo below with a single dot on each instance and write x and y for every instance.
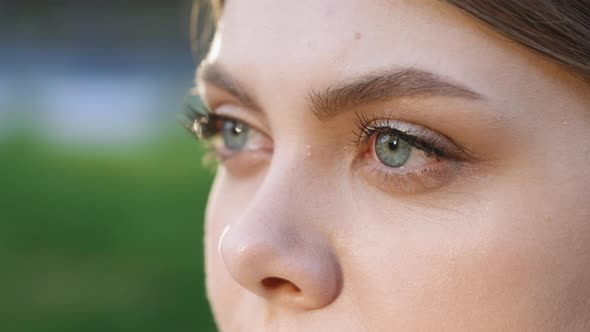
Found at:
(216, 75)
(381, 86)
(366, 89)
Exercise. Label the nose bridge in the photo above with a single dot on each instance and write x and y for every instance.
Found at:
(274, 251)
(291, 187)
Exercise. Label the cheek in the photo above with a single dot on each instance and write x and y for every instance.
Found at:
(504, 257)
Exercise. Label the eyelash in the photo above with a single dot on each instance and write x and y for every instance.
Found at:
(200, 122)
(368, 126)
(205, 125)
(448, 156)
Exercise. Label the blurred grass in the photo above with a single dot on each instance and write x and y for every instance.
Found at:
(98, 238)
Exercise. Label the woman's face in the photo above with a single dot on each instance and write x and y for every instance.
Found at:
(392, 166)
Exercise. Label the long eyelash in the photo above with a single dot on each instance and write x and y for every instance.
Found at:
(199, 120)
(367, 127)
(203, 125)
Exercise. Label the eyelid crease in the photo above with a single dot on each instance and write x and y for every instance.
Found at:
(243, 115)
(204, 124)
(201, 120)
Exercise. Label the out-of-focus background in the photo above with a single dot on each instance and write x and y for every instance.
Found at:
(102, 192)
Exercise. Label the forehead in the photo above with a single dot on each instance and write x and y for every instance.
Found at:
(340, 30)
(305, 45)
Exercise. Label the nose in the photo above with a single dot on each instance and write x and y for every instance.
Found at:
(287, 265)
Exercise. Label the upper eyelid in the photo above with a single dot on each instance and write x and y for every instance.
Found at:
(252, 127)
(443, 144)
(362, 120)
(414, 141)
(213, 97)
(241, 114)
(197, 106)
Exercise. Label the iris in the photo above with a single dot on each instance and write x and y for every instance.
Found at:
(391, 149)
(235, 134)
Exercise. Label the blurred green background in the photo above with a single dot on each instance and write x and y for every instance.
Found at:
(102, 192)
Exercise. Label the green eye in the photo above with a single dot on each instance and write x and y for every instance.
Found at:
(235, 134)
(392, 150)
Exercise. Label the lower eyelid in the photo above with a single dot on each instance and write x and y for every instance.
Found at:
(246, 164)
(401, 181)
(257, 143)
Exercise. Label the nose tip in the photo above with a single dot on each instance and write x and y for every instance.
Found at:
(282, 269)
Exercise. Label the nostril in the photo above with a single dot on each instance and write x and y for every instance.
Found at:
(274, 284)
(280, 265)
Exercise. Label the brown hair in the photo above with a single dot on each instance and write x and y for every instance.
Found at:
(556, 29)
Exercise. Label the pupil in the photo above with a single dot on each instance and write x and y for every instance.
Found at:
(236, 130)
(393, 144)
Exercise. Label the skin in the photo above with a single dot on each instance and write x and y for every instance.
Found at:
(304, 233)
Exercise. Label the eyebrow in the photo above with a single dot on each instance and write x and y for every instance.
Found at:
(380, 86)
(214, 74)
(366, 89)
